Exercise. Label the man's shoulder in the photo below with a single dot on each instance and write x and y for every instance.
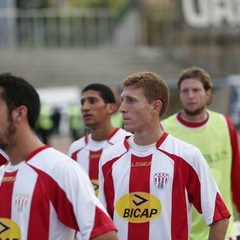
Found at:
(214, 113)
(76, 145)
(119, 136)
(123, 132)
(220, 117)
(119, 145)
(115, 150)
(178, 147)
(52, 162)
(170, 120)
(171, 139)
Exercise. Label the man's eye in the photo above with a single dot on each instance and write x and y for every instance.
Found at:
(130, 100)
(92, 101)
(185, 91)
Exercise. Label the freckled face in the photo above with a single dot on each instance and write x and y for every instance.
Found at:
(135, 109)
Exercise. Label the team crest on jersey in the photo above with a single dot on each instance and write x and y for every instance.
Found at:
(21, 201)
(161, 180)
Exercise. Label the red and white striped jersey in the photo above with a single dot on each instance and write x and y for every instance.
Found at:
(149, 190)
(3, 157)
(49, 196)
(87, 152)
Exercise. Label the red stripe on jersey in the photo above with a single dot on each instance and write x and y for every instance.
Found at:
(190, 183)
(109, 188)
(39, 217)
(3, 160)
(179, 229)
(218, 213)
(59, 200)
(94, 157)
(6, 191)
(161, 140)
(112, 134)
(74, 155)
(235, 178)
(100, 225)
(191, 124)
(36, 151)
(139, 182)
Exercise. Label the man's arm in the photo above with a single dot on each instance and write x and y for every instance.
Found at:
(218, 229)
(111, 235)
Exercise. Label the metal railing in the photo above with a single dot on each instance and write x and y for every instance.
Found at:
(55, 28)
(216, 48)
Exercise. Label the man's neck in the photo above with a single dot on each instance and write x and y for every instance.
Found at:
(100, 134)
(194, 118)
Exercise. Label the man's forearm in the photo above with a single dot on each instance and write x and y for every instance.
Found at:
(218, 229)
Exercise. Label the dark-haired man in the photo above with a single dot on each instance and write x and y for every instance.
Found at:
(44, 194)
(97, 106)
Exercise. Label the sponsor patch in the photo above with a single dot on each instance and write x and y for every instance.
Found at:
(9, 179)
(138, 207)
(9, 230)
(95, 185)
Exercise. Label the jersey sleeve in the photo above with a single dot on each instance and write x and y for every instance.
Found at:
(235, 177)
(91, 217)
(208, 201)
(72, 149)
(75, 147)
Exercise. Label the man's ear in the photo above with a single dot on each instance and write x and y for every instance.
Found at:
(20, 112)
(157, 106)
(112, 108)
(209, 96)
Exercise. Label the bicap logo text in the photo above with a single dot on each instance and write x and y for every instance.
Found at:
(138, 207)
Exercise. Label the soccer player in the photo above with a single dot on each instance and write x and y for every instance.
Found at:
(149, 182)
(97, 106)
(3, 157)
(44, 194)
(214, 134)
